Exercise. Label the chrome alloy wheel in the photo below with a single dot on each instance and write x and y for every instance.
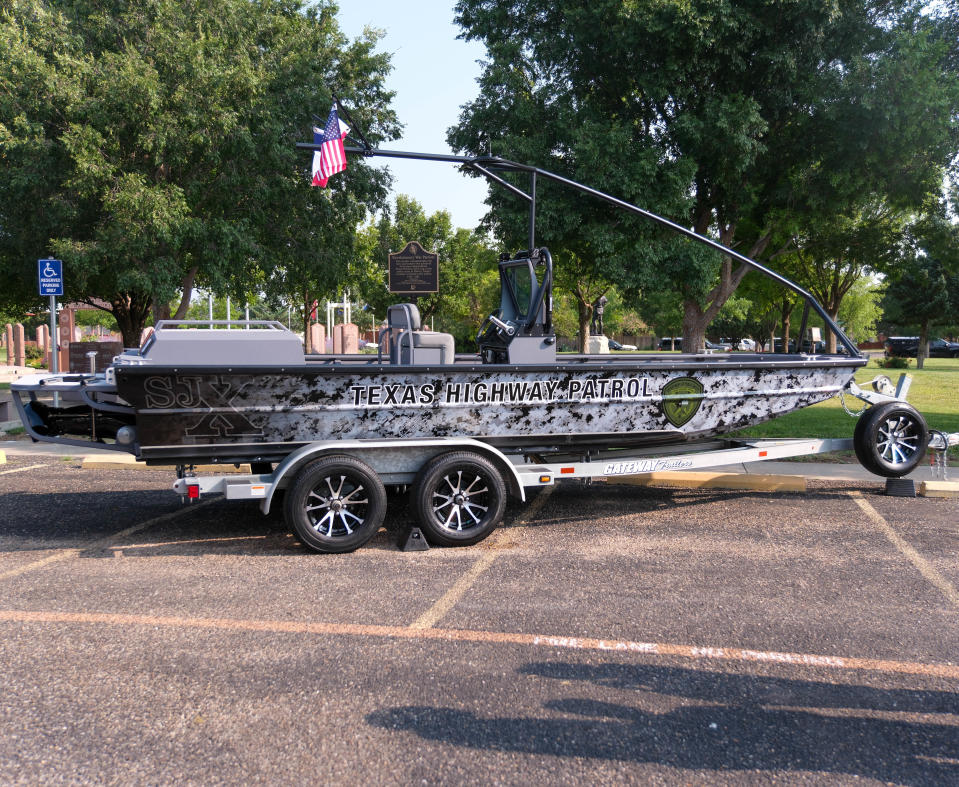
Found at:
(335, 504)
(898, 439)
(338, 508)
(458, 503)
(890, 439)
(459, 498)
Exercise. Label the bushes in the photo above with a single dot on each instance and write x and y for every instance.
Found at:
(893, 362)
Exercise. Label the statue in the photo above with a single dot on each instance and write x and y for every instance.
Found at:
(596, 327)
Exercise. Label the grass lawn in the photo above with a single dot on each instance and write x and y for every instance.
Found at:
(934, 393)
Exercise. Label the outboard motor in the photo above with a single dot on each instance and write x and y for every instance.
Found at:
(520, 331)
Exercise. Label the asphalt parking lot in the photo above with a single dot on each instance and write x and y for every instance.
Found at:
(604, 634)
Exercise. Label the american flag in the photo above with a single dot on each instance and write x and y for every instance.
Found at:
(330, 158)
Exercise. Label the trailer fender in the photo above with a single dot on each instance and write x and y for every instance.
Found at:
(394, 461)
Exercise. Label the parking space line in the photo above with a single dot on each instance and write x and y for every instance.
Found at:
(105, 542)
(534, 507)
(924, 567)
(188, 541)
(56, 557)
(448, 600)
(690, 652)
(21, 469)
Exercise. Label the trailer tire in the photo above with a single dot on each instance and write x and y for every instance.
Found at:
(459, 498)
(335, 504)
(890, 439)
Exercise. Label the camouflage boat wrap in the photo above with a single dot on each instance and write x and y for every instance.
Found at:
(188, 408)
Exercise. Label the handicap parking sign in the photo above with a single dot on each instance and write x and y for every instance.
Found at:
(51, 276)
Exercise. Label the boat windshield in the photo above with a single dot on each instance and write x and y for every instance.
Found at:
(521, 288)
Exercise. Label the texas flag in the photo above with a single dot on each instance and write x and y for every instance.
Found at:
(331, 157)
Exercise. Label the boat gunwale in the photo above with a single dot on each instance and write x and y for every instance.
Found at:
(345, 365)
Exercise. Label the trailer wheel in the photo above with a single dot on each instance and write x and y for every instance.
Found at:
(336, 504)
(890, 439)
(459, 498)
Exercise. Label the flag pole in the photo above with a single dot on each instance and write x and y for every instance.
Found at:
(354, 126)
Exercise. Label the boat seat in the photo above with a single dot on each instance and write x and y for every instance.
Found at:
(409, 344)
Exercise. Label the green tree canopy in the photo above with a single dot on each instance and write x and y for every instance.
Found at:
(749, 121)
(150, 144)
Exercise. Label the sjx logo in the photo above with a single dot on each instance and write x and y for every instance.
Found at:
(212, 397)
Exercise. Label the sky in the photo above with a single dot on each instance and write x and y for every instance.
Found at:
(433, 75)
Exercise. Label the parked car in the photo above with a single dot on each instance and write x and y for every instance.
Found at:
(615, 345)
(942, 348)
(908, 347)
(715, 347)
(746, 345)
(902, 346)
(778, 345)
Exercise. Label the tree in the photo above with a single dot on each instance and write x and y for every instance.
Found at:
(733, 319)
(662, 310)
(919, 297)
(468, 278)
(747, 121)
(471, 286)
(925, 291)
(151, 146)
(861, 310)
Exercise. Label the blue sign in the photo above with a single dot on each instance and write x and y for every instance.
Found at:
(51, 276)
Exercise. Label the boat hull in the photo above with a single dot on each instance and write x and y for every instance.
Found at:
(243, 412)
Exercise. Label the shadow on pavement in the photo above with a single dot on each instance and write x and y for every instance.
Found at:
(693, 719)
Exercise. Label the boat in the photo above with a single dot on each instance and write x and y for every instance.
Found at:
(197, 393)
(199, 408)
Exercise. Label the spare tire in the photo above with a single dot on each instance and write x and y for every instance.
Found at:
(891, 439)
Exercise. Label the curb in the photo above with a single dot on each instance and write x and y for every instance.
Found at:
(947, 489)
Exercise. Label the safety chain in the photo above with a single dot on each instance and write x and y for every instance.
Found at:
(842, 401)
(940, 457)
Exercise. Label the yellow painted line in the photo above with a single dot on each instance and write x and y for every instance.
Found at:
(21, 469)
(922, 565)
(3, 458)
(101, 543)
(449, 599)
(56, 557)
(691, 652)
(706, 480)
(188, 541)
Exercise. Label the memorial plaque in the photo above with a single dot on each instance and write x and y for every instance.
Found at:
(414, 271)
(104, 350)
